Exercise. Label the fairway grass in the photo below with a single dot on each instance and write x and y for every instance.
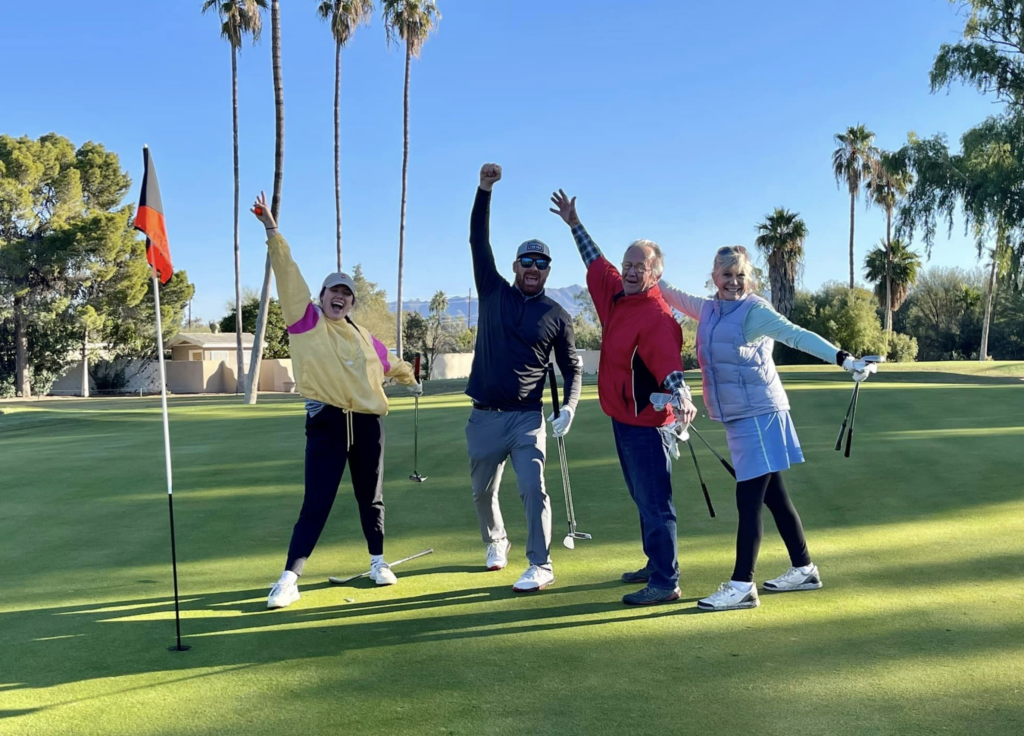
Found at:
(919, 535)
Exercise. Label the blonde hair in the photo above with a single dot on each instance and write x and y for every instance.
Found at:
(735, 257)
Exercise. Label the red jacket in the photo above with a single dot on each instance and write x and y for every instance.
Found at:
(641, 345)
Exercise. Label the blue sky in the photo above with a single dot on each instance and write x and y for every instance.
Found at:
(684, 123)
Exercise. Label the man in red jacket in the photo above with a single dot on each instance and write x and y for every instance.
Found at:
(640, 354)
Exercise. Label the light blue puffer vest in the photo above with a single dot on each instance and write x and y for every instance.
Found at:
(740, 379)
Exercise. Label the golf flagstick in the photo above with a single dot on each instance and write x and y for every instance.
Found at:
(149, 219)
(396, 563)
(569, 541)
(416, 477)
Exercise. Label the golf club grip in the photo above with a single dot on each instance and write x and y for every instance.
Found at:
(839, 439)
(849, 442)
(730, 469)
(554, 387)
(707, 499)
(416, 367)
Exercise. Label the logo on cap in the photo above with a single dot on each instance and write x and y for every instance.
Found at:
(534, 246)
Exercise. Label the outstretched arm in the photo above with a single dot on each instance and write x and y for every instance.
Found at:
(566, 209)
(484, 270)
(298, 311)
(763, 321)
(682, 301)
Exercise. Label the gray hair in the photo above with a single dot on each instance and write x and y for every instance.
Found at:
(658, 264)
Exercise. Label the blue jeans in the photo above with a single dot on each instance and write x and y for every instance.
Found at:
(647, 467)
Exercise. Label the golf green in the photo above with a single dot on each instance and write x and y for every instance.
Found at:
(919, 536)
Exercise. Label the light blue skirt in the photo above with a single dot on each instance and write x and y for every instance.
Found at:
(763, 444)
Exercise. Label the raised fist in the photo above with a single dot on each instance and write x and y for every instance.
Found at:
(490, 174)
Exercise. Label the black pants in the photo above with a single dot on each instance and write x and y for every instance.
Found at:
(770, 491)
(327, 452)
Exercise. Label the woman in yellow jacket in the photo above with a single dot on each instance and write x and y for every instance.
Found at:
(340, 370)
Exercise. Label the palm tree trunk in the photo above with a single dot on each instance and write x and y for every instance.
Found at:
(23, 386)
(85, 365)
(888, 272)
(255, 362)
(983, 353)
(239, 351)
(337, 145)
(853, 195)
(405, 182)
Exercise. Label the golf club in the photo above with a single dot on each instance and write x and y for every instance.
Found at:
(725, 463)
(416, 477)
(661, 402)
(704, 488)
(851, 411)
(570, 539)
(341, 581)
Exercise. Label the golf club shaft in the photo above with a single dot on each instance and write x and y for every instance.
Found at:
(339, 581)
(853, 420)
(725, 463)
(704, 488)
(842, 429)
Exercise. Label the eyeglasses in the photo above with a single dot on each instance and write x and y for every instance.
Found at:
(726, 250)
(640, 268)
(528, 262)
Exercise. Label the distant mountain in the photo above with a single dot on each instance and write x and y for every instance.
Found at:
(461, 306)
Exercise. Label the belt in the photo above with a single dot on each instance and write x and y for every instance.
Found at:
(483, 407)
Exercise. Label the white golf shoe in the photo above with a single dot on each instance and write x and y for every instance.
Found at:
(535, 578)
(282, 595)
(381, 574)
(795, 578)
(730, 598)
(497, 554)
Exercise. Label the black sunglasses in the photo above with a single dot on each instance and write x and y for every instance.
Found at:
(541, 263)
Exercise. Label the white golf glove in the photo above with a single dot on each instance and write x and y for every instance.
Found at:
(859, 368)
(416, 389)
(674, 434)
(560, 424)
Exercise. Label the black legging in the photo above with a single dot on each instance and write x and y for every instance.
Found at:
(327, 452)
(770, 491)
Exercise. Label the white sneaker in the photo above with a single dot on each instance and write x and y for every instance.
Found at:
(795, 578)
(497, 554)
(730, 598)
(282, 595)
(381, 574)
(535, 578)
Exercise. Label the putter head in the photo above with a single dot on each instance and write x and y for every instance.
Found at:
(873, 358)
(568, 542)
(661, 401)
(417, 478)
(580, 535)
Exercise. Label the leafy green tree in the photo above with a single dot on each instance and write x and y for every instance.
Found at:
(238, 18)
(781, 239)
(344, 17)
(59, 228)
(415, 329)
(411, 22)
(276, 343)
(944, 313)
(893, 268)
(888, 182)
(851, 165)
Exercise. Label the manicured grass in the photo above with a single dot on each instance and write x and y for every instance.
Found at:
(920, 538)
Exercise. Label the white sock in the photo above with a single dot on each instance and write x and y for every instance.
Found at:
(376, 560)
(288, 578)
(741, 586)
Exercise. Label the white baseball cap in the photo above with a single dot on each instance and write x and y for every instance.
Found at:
(339, 279)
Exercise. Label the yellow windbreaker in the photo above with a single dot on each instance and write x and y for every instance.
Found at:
(336, 362)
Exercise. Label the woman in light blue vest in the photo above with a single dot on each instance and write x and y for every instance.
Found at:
(736, 332)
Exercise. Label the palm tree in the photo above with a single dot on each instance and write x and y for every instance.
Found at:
(781, 238)
(410, 21)
(888, 181)
(237, 18)
(892, 283)
(344, 16)
(256, 361)
(851, 163)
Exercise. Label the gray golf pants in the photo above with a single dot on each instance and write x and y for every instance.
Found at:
(491, 438)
